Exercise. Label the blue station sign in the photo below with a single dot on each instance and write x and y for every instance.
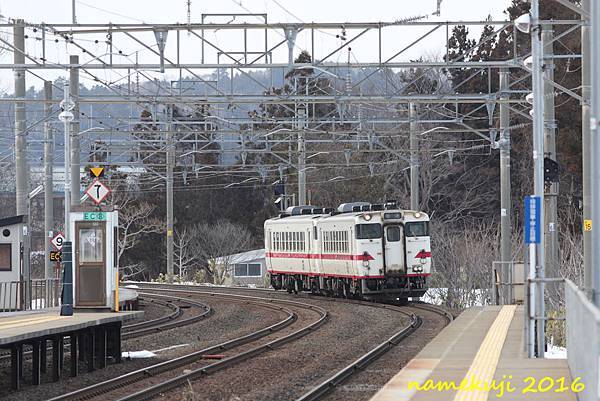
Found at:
(532, 220)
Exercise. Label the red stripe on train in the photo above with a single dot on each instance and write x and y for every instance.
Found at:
(330, 256)
(311, 274)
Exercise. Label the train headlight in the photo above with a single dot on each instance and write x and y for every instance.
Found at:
(417, 215)
(423, 261)
(367, 217)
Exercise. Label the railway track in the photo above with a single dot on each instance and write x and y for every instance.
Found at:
(331, 383)
(286, 306)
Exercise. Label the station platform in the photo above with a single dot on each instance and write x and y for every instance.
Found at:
(481, 356)
(93, 337)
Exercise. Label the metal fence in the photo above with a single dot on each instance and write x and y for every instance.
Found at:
(35, 294)
(508, 282)
(583, 341)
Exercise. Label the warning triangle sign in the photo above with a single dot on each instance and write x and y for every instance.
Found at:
(97, 171)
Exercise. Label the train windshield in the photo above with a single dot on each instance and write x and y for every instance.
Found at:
(368, 231)
(416, 229)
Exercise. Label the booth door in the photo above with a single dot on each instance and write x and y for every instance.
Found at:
(90, 264)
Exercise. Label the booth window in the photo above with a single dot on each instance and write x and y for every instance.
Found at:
(5, 257)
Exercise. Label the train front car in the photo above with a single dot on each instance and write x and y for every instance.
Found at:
(407, 253)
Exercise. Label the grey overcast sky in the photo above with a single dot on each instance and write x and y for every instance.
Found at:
(305, 10)
(171, 11)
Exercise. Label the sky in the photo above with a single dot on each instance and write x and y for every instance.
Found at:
(170, 11)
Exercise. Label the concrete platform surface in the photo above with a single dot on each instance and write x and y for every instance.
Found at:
(18, 328)
(480, 356)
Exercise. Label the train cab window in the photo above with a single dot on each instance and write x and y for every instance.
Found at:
(416, 229)
(393, 233)
(368, 231)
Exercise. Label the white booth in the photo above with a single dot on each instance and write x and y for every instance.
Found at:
(95, 269)
(11, 262)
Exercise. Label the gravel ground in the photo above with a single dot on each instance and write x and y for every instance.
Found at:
(230, 320)
(289, 371)
(365, 384)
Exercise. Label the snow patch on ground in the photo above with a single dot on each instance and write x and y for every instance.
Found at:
(137, 354)
(555, 352)
(169, 348)
(132, 286)
(38, 303)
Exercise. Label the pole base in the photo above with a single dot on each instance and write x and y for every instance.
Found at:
(66, 310)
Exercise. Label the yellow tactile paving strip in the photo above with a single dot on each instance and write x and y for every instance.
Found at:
(484, 365)
(12, 323)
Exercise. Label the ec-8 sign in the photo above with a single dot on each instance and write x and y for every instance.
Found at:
(532, 220)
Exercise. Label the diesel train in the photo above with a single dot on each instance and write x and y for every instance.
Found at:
(361, 250)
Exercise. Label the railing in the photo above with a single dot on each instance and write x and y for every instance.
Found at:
(508, 280)
(583, 341)
(35, 294)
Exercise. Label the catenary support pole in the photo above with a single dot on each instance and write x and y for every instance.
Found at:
(551, 191)
(505, 189)
(538, 160)
(67, 165)
(170, 163)
(586, 150)
(595, 149)
(22, 182)
(75, 129)
(414, 158)
(48, 184)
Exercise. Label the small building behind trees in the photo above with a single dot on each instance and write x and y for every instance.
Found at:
(243, 269)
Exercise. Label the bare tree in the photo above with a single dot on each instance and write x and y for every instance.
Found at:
(135, 220)
(215, 243)
(462, 257)
(184, 254)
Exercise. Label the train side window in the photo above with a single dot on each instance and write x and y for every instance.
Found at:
(368, 231)
(393, 233)
(416, 229)
(315, 233)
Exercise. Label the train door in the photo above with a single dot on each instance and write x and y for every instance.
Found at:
(394, 249)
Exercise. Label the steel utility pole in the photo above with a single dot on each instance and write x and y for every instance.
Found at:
(75, 128)
(66, 116)
(301, 126)
(586, 54)
(48, 185)
(538, 161)
(414, 158)
(595, 149)
(551, 194)
(170, 163)
(22, 181)
(505, 188)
